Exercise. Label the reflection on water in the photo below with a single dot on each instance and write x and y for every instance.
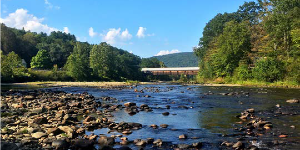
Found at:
(217, 120)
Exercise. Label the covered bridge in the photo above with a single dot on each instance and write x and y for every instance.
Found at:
(172, 71)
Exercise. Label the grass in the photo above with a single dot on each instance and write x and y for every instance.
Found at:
(64, 135)
(250, 83)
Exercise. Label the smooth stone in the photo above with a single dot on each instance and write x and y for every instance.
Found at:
(38, 135)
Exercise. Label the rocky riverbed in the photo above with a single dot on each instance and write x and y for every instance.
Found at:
(150, 117)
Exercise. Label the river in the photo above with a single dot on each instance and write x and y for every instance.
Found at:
(205, 114)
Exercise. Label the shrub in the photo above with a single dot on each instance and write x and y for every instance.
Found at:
(269, 70)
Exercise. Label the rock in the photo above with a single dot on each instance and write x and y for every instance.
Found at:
(29, 97)
(283, 136)
(197, 145)
(40, 120)
(251, 110)
(39, 110)
(66, 129)
(227, 144)
(154, 126)
(88, 119)
(158, 142)
(104, 140)
(165, 113)
(126, 132)
(141, 143)
(183, 146)
(38, 135)
(164, 125)
(60, 144)
(292, 101)
(80, 131)
(55, 131)
(83, 144)
(183, 136)
(8, 146)
(239, 144)
(129, 104)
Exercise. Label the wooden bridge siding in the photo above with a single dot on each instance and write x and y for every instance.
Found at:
(174, 72)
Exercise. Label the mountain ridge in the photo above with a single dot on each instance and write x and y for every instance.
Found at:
(183, 59)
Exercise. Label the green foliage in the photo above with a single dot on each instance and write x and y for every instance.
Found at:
(150, 63)
(41, 60)
(48, 75)
(103, 61)
(185, 59)
(12, 68)
(77, 65)
(267, 31)
(242, 72)
(269, 70)
(293, 70)
(232, 46)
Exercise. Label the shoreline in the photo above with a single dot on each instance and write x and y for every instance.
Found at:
(118, 84)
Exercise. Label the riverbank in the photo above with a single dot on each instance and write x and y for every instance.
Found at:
(120, 84)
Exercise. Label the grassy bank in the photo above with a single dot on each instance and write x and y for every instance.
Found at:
(250, 83)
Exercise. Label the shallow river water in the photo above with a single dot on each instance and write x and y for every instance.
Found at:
(203, 112)
(206, 113)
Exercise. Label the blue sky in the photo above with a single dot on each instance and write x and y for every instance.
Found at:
(143, 27)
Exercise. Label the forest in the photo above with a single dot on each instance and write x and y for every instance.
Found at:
(183, 59)
(30, 56)
(260, 42)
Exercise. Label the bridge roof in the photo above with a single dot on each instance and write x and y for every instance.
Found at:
(172, 69)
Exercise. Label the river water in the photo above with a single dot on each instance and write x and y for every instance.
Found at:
(203, 112)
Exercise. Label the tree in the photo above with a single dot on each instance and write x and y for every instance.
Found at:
(77, 65)
(150, 63)
(102, 61)
(249, 11)
(41, 60)
(12, 67)
(8, 40)
(280, 20)
(232, 46)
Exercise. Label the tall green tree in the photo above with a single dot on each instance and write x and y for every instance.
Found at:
(12, 67)
(233, 44)
(77, 65)
(41, 60)
(102, 61)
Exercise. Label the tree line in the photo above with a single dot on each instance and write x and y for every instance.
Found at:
(30, 56)
(258, 42)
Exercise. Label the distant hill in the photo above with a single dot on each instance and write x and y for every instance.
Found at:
(184, 59)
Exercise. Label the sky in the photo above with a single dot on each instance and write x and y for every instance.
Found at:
(143, 27)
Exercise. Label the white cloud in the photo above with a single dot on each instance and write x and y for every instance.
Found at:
(91, 32)
(140, 33)
(126, 35)
(166, 52)
(66, 30)
(50, 6)
(114, 36)
(21, 19)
